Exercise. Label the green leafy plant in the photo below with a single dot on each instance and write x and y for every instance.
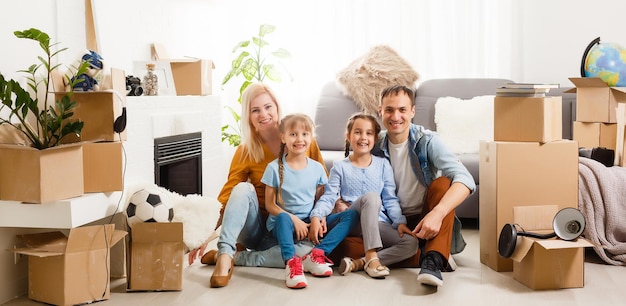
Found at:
(52, 122)
(255, 64)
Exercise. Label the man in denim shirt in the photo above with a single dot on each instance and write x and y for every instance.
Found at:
(430, 182)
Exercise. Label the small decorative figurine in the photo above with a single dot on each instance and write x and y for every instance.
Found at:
(89, 82)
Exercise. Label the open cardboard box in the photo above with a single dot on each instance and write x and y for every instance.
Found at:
(595, 100)
(521, 173)
(546, 263)
(192, 76)
(155, 257)
(39, 176)
(527, 119)
(70, 270)
(595, 134)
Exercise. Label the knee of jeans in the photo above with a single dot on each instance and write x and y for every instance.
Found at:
(243, 187)
(282, 217)
(372, 199)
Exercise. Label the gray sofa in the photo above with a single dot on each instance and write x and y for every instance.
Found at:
(334, 108)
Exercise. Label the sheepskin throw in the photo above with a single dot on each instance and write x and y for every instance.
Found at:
(368, 75)
(462, 124)
(198, 214)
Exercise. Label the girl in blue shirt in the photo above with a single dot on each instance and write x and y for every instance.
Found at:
(363, 182)
(293, 183)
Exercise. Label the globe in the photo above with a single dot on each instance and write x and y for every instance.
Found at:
(607, 62)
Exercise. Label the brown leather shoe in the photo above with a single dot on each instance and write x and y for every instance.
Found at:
(222, 281)
(209, 258)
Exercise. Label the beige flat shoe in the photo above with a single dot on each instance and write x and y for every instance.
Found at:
(378, 272)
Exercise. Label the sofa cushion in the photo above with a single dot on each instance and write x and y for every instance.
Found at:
(331, 116)
(369, 74)
(463, 123)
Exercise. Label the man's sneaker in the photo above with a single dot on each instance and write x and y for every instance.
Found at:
(294, 277)
(451, 264)
(430, 274)
(317, 264)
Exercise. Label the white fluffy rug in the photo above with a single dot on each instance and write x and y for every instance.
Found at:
(198, 214)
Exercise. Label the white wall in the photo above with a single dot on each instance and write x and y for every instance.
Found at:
(553, 37)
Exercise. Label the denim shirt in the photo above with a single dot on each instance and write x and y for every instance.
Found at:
(430, 155)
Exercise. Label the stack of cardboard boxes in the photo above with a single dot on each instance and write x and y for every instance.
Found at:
(527, 165)
(599, 116)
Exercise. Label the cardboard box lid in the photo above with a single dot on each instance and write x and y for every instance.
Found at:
(153, 231)
(595, 82)
(80, 239)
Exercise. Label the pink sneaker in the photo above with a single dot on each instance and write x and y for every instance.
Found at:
(294, 277)
(317, 264)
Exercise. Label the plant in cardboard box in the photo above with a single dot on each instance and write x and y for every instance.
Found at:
(51, 122)
(255, 65)
(30, 172)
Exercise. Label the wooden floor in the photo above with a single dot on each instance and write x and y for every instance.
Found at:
(471, 284)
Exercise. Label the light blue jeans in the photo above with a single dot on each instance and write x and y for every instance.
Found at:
(242, 222)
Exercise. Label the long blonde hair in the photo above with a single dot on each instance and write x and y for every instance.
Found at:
(250, 140)
(288, 123)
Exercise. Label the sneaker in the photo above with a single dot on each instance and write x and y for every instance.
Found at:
(451, 264)
(294, 277)
(430, 273)
(317, 264)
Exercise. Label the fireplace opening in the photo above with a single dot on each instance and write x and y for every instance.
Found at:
(178, 163)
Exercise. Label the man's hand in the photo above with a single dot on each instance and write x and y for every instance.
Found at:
(428, 228)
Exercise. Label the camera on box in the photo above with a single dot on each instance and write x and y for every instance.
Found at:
(133, 86)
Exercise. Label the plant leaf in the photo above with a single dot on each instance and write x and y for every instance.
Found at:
(241, 44)
(265, 29)
(272, 73)
(282, 53)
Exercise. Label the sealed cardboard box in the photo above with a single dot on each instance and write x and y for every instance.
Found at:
(98, 110)
(155, 259)
(595, 100)
(102, 166)
(595, 134)
(70, 270)
(39, 176)
(521, 174)
(546, 263)
(527, 119)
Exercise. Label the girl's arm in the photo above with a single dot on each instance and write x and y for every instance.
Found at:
(270, 201)
(389, 198)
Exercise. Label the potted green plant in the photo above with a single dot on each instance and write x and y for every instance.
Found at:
(43, 171)
(51, 122)
(254, 63)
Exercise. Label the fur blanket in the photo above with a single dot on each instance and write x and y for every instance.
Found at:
(368, 75)
(198, 214)
(602, 200)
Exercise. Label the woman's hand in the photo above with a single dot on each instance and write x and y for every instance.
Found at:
(196, 253)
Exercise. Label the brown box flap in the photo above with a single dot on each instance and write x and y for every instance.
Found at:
(43, 244)
(153, 231)
(94, 237)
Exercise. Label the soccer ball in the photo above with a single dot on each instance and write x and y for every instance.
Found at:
(145, 206)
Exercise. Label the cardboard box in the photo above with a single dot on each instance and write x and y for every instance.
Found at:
(620, 157)
(70, 270)
(192, 76)
(39, 176)
(595, 134)
(98, 110)
(595, 100)
(527, 119)
(155, 259)
(103, 166)
(521, 174)
(546, 263)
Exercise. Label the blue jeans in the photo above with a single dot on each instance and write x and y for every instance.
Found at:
(339, 225)
(242, 222)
